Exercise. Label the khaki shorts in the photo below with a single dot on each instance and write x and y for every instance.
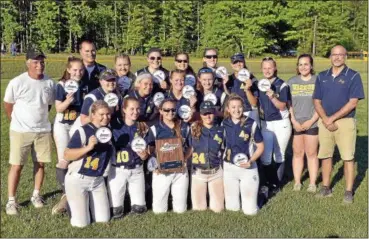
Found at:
(22, 143)
(344, 137)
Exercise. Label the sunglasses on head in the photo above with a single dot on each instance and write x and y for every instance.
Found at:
(181, 61)
(169, 110)
(153, 58)
(211, 56)
(268, 59)
(205, 70)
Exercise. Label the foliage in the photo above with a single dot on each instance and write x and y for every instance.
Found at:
(252, 27)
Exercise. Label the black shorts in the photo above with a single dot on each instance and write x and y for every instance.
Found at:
(311, 131)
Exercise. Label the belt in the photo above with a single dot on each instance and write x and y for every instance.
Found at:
(128, 166)
(208, 171)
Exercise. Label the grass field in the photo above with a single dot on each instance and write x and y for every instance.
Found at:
(289, 214)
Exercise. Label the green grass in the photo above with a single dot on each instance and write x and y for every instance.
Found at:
(289, 214)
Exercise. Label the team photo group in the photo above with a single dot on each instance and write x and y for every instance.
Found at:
(181, 138)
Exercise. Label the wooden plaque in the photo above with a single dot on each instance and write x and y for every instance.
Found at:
(169, 153)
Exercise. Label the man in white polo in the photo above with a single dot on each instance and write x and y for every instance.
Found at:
(27, 101)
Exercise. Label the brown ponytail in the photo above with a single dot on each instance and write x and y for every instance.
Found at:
(234, 97)
(71, 59)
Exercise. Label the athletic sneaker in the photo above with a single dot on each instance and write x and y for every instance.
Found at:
(61, 206)
(297, 187)
(311, 188)
(324, 192)
(12, 208)
(37, 201)
(349, 197)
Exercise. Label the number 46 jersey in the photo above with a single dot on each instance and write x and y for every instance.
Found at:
(74, 109)
(95, 162)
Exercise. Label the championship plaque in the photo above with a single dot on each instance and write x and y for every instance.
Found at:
(264, 85)
(190, 80)
(221, 71)
(71, 86)
(103, 135)
(240, 158)
(158, 98)
(169, 153)
(112, 99)
(159, 76)
(188, 91)
(211, 97)
(138, 144)
(243, 75)
(184, 112)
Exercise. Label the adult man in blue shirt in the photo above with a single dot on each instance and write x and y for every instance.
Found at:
(337, 92)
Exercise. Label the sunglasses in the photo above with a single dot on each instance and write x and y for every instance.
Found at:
(181, 61)
(237, 61)
(153, 58)
(211, 56)
(169, 110)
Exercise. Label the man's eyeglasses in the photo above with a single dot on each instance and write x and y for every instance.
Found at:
(211, 56)
(169, 110)
(153, 58)
(340, 55)
(181, 61)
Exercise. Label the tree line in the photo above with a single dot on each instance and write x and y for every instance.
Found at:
(133, 26)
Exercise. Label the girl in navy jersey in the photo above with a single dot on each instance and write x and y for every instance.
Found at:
(89, 161)
(182, 62)
(210, 60)
(154, 60)
(177, 79)
(108, 85)
(233, 85)
(125, 76)
(143, 92)
(275, 124)
(206, 86)
(162, 183)
(206, 142)
(68, 107)
(127, 168)
(243, 140)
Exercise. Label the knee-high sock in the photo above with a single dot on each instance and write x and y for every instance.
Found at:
(280, 171)
(60, 176)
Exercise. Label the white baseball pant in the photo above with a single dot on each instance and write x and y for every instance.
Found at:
(199, 185)
(118, 179)
(162, 184)
(77, 123)
(61, 138)
(240, 180)
(85, 193)
(276, 135)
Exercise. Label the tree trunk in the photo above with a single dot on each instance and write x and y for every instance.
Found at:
(314, 38)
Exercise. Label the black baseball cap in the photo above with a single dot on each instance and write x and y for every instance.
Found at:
(237, 57)
(207, 107)
(33, 53)
(108, 74)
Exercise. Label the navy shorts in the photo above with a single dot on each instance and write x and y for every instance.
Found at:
(311, 131)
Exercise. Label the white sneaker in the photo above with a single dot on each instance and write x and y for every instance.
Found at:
(37, 201)
(12, 208)
(61, 206)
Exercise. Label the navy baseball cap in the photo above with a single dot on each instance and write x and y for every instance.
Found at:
(237, 57)
(33, 53)
(207, 107)
(108, 74)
